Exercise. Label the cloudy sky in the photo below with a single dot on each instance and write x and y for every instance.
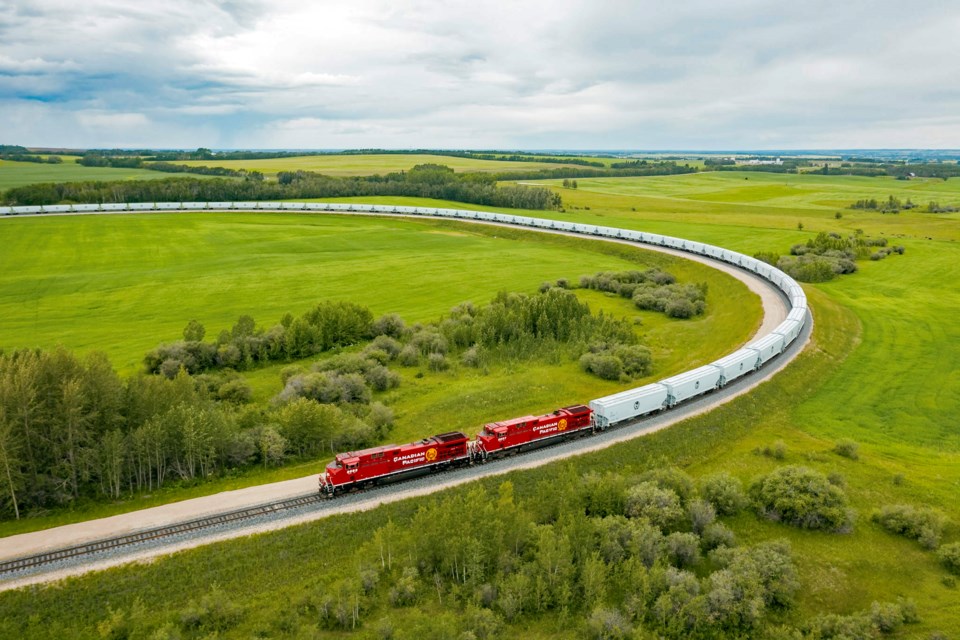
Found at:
(558, 74)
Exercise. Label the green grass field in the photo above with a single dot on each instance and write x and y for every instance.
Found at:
(882, 370)
(18, 174)
(122, 284)
(365, 165)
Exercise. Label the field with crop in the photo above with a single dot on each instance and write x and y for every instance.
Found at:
(18, 174)
(365, 165)
(882, 371)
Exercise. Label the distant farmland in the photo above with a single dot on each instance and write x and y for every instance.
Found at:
(363, 165)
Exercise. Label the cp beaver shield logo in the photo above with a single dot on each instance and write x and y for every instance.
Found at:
(562, 425)
(431, 454)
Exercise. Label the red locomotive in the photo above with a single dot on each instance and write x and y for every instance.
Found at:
(357, 469)
(361, 469)
(498, 437)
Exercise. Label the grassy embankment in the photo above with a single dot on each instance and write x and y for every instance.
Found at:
(122, 284)
(882, 370)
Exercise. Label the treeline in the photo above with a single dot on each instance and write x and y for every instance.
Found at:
(648, 169)
(207, 154)
(327, 326)
(424, 181)
(136, 162)
(21, 157)
(72, 429)
(891, 205)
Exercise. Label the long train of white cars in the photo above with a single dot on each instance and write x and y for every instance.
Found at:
(620, 407)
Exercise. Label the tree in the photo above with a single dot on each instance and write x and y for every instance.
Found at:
(659, 506)
(307, 425)
(724, 492)
(9, 464)
(74, 420)
(271, 445)
(194, 331)
(803, 498)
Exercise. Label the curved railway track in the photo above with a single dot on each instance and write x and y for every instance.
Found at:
(20, 565)
(273, 515)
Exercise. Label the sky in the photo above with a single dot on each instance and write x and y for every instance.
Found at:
(513, 74)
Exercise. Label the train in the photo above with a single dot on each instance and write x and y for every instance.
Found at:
(369, 467)
(377, 465)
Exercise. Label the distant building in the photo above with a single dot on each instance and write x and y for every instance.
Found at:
(757, 161)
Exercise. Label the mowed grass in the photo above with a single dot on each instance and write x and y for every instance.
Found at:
(19, 174)
(365, 165)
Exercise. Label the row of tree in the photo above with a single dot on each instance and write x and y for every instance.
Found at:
(424, 181)
(72, 429)
(328, 325)
(21, 157)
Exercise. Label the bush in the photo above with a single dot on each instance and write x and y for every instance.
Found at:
(777, 451)
(661, 507)
(717, 535)
(603, 365)
(847, 448)
(803, 498)
(636, 360)
(409, 356)
(471, 357)
(724, 492)
(917, 523)
(437, 362)
(949, 557)
(390, 325)
(608, 624)
(673, 479)
(385, 343)
(702, 514)
(682, 549)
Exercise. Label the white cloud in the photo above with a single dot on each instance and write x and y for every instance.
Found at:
(564, 73)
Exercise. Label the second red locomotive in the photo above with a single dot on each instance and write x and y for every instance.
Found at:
(498, 437)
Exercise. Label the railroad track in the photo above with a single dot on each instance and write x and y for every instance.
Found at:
(16, 566)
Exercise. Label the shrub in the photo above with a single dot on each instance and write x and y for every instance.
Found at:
(917, 523)
(237, 391)
(437, 362)
(385, 343)
(673, 479)
(803, 498)
(949, 557)
(847, 448)
(380, 378)
(471, 357)
(390, 325)
(682, 549)
(409, 356)
(661, 507)
(603, 365)
(635, 359)
(717, 535)
(608, 624)
(777, 451)
(701, 514)
(724, 492)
